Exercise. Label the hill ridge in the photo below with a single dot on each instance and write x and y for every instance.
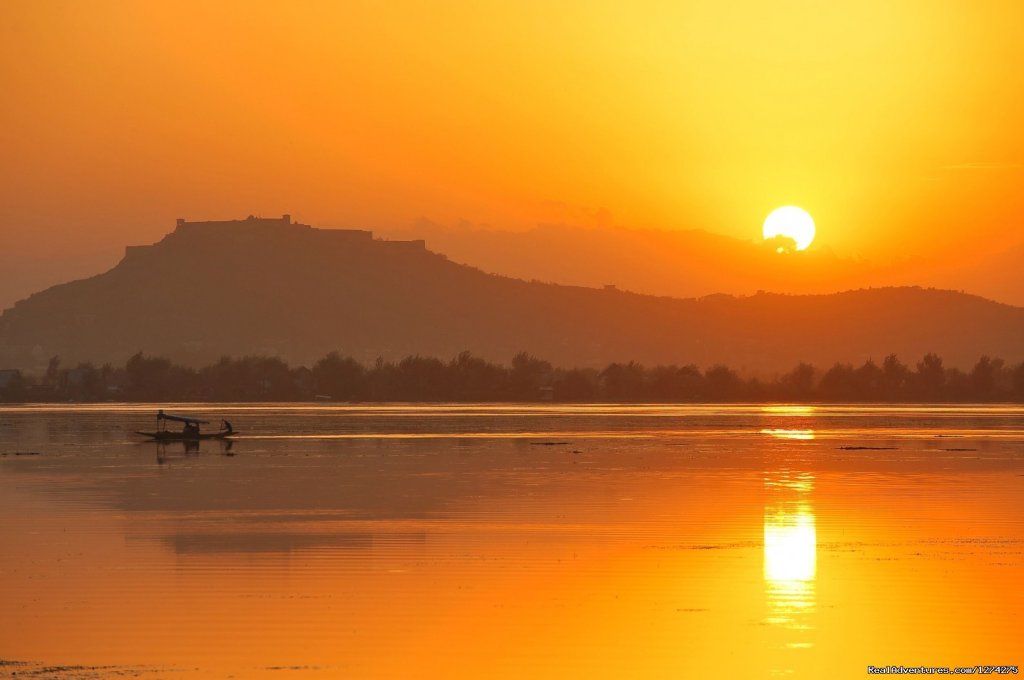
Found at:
(273, 287)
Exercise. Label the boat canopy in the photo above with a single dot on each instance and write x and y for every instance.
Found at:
(180, 419)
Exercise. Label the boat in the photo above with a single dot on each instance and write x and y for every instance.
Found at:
(190, 430)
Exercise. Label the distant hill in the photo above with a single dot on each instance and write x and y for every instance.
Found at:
(997, 276)
(684, 263)
(271, 287)
(693, 263)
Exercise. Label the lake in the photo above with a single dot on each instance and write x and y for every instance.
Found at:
(511, 541)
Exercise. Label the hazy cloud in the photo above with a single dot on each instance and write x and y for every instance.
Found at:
(983, 166)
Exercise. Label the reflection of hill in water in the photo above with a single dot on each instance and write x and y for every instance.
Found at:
(276, 288)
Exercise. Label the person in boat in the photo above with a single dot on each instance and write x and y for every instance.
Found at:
(225, 426)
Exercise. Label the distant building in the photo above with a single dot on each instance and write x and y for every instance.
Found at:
(283, 220)
(253, 224)
(229, 233)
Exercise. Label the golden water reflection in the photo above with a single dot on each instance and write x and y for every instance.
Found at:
(464, 555)
(789, 410)
(788, 433)
(790, 552)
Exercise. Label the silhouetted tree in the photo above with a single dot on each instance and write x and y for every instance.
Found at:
(690, 383)
(157, 379)
(985, 378)
(340, 378)
(527, 376)
(623, 382)
(868, 380)
(894, 379)
(674, 384)
(380, 381)
(798, 384)
(477, 380)
(83, 383)
(661, 383)
(722, 384)
(576, 385)
(839, 383)
(1017, 383)
(248, 379)
(1016, 380)
(930, 379)
(755, 390)
(53, 371)
(957, 386)
(470, 378)
(421, 379)
(16, 389)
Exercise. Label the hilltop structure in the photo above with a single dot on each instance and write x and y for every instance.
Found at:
(275, 228)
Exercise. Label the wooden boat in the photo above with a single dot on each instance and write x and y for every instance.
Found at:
(190, 430)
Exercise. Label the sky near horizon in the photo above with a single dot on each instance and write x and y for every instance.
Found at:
(896, 125)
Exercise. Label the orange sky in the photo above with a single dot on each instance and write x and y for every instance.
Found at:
(897, 125)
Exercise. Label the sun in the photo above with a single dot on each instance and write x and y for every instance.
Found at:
(791, 222)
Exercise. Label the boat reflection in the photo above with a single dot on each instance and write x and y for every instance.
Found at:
(790, 551)
(182, 449)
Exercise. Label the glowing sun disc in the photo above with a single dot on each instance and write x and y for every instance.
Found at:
(791, 222)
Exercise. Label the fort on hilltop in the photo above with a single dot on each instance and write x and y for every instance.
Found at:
(253, 227)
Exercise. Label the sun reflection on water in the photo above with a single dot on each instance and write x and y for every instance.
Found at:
(788, 410)
(788, 433)
(790, 552)
(789, 547)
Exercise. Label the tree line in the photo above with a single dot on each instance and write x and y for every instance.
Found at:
(468, 378)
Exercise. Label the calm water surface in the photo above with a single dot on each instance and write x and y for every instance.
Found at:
(512, 541)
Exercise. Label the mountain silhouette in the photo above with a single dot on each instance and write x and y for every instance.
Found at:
(694, 262)
(681, 263)
(272, 287)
